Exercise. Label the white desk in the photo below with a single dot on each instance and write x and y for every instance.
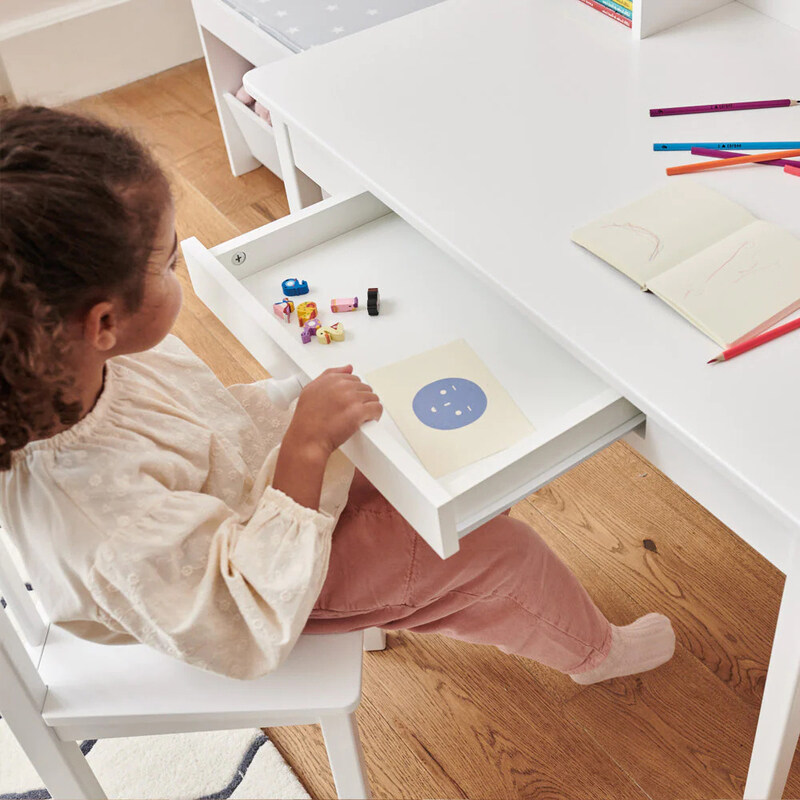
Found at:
(535, 121)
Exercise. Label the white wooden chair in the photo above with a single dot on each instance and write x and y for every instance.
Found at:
(56, 688)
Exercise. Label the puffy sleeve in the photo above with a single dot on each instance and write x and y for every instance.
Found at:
(194, 580)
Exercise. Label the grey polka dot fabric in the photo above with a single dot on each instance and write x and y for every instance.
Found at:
(301, 24)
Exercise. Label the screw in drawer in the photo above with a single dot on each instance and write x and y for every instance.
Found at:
(239, 258)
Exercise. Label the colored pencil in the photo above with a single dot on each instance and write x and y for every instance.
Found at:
(684, 169)
(608, 12)
(762, 338)
(705, 151)
(726, 145)
(666, 112)
(792, 170)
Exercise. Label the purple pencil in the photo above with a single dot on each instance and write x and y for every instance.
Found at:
(776, 162)
(665, 112)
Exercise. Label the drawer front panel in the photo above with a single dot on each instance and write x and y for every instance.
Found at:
(341, 246)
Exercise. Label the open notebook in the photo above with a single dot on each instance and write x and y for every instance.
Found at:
(730, 274)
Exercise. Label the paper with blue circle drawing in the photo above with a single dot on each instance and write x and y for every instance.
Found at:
(449, 406)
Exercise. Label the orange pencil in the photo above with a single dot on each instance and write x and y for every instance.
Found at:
(731, 162)
(762, 338)
(792, 170)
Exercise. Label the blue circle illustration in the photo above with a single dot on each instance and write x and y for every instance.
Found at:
(449, 403)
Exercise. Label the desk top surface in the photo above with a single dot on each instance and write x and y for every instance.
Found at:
(496, 135)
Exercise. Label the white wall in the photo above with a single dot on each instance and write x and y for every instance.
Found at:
(787, 11)
(652, 16)
(63, 50)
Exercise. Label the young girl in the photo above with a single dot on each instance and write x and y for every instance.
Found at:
(149, 503)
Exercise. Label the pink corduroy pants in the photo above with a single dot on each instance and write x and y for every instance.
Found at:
(504, 587)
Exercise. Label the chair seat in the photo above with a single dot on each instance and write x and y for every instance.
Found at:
(102, 691)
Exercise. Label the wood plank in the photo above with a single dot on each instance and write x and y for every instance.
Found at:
(394, 766)
(608, 506)
(691, 699)
(494, 730)
(698, 732)
(207, 169)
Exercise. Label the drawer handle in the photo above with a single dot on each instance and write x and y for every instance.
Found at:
(283, 391)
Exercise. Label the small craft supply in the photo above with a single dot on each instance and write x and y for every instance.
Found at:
(305, 312)
(792, 170)
(762, 338)
(338, 305)
(283, 309)
(726, 145)
(705, 151)
(684, 169)
(310, 330)
(666, 112)
(373, 302)
(330, 333)
(293, 287)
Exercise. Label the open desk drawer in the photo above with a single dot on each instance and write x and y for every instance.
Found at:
(341, 247)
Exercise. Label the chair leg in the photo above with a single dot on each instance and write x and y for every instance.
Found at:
(61, 766)
(342, 741)
(374, 639)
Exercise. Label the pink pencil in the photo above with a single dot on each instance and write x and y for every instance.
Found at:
(792, 170)
(762, 338)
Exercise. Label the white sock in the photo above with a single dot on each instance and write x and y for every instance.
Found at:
(645, 644)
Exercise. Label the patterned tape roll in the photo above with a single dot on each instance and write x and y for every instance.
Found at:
(310, 330)
(292, 287)
(341, 304)
(305, 312)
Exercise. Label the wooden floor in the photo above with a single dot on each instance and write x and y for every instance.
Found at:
(441, 719)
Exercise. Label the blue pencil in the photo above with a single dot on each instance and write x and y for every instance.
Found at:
(659, 146)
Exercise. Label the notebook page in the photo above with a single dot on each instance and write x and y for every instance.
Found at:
(737, 287)
(653, 234)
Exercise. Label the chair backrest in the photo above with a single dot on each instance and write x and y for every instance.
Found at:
(18, 598)
(17, 670)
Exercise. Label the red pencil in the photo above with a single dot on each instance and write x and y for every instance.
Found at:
(768, 336)
(792, 170)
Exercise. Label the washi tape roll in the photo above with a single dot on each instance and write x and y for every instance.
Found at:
(310, 330)
(341, 304)
(305, 312)
(373, 302)
(293, 287)
(331, 333)
(283, 310)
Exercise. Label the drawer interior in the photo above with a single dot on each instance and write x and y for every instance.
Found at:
(341, 247)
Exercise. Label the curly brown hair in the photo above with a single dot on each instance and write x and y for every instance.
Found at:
(80, 204)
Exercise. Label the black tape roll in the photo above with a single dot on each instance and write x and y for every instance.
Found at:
(373, 302)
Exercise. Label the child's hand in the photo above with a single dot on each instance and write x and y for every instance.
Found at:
(331, 409)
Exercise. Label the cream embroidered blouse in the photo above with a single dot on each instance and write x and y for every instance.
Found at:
(153, 518)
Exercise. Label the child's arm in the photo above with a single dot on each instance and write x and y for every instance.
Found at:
(329, 411)
(194, 579)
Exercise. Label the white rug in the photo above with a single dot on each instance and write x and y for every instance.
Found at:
(213, 766)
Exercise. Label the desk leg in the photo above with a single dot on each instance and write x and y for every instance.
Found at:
(779, 719)
(301, 191)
